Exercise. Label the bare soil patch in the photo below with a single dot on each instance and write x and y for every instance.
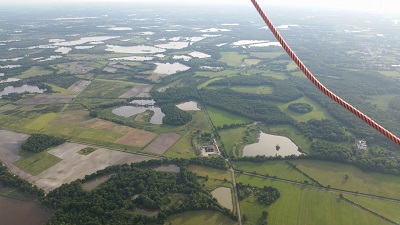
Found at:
(107, 125)
(136, 91)
(75, 166)
(46, 99)
(79, 86)
(10, 143)
(137, 138)
(76, 67)
(162, 143)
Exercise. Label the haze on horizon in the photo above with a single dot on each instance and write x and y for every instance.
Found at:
(378, 6)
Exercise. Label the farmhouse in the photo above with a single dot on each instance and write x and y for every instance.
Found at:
(362, 144)
(210, 149)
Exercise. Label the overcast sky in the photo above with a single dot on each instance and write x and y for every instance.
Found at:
(364, 5)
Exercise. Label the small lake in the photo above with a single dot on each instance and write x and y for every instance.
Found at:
(128, 111)
(224, 197)
(10, 66)
(92, 184)
(188, 106)
(22, 89)
(168, 168)
(267, 146)
(174, 45)
(10, 80)
(168, 68)
(199, 55)
(133, 58)
(21, 212)
(63, 50)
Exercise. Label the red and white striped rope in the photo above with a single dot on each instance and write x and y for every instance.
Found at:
(318, 84)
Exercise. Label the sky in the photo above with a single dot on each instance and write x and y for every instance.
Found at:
(380, 6)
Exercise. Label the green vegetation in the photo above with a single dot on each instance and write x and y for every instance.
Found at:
(87, 150)
(272, 169)
(263, 90)
(266, 54)
(300, 107)
(212, 74)
(297, 203)
(34, 72)
(235, 139)
(39, 142)
(9, 180)
(334, 174)
(221, 118)
(35, 163)
(199, 218)
(233, 59)
(41, 122)
(100, 88)
(175, 116)
(317, 111)
(382, 101)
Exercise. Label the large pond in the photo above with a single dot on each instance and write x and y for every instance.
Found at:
(19, 212)
(224, 197)
(267, 145)
(22, 89)
(139, 49)
(128, 111)
(168, 68)
(188, 106)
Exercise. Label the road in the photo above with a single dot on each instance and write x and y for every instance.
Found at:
(236, 195)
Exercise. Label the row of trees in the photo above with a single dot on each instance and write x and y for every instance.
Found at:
(300, 107)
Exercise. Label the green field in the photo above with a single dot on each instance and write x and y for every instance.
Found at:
(251, 62)
(200, 218)
(60, 90)
(13, 123)
(333, 174)
(232, 139)
(100, 88)
(272, 168)
(307, 206)
(34, 71)
(267, 55)
(233, 59)
(387, 209)
(205, 84)
(212, 74)
(382, 101)
(220, 117)
(317, 113)
(276, 75)
(292, 66)
(41, 122)
(36, 163)
(390, 73)
(254, 90)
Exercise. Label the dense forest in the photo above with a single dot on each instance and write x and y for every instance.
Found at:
(300, 107)
(175, 116)
(39, 142)
(131, 187)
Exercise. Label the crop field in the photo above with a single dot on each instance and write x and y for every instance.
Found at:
(41, 122)
(233, 59)
(100, 88)
(13, 123)
(251, 61)
(61, 90)
(333, 174)
(162, 143)
(36, 163)
(297, 203)
(200, 218)
(273, 74)
(182, 148)
(317, 113)
(221, 118)
(34, 72)
(46, 99)
(212, 173)
(136, 138)
(137, 91)
(76, 67)
(272, 168)
(79, 86)
(75, 166)
(387, 209)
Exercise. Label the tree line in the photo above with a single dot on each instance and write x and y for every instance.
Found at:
(39, 142)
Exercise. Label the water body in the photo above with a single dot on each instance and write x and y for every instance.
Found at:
(10, 66)
(224, 197)
(139, 49)
(128, 111)
(267, 146)
(63, 50)
(19, 212)
(120, 28)
(133, 58)
(199, 55)
(174, 45)
(90, 185)
(168, 68)
(168, 168)
(10, 80)
(22, 89)
(188, 106)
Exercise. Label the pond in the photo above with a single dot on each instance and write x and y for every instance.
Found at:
(8, 80)
(168, 168)
(133, 58)
(267, 145)
(224, 197)
(128, 111)
(10, 66)
(199, 55)
(21, 212)
(174, 45)
(168, 68)
(22, 89)
(139, 49)
(92, 184)
(188, 106)
(63, 50)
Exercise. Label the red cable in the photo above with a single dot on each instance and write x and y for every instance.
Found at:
(318, 84)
